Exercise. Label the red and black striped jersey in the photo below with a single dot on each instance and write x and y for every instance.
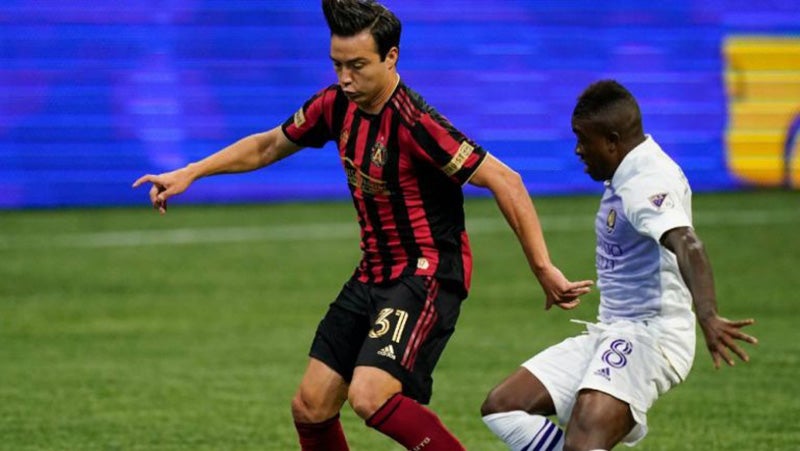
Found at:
(405, 169)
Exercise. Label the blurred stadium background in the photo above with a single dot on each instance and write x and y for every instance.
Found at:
(96, 93)
(123, 330)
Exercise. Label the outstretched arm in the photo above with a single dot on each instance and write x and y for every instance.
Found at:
(720, 333)
(247, 154)
(516, 205)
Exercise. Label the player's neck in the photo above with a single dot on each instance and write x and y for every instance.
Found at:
(376, 104)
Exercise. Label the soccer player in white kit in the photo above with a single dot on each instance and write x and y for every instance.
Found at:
(651, 269)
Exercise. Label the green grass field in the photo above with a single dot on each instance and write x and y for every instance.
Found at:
(124, 330)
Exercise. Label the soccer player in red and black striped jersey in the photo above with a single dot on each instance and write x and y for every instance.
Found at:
(379, 341)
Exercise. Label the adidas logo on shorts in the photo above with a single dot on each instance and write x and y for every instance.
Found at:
(387, 351)
(604, 372)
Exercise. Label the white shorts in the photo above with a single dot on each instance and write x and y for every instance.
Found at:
(622, 359)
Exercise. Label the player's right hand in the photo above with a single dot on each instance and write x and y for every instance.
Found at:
(165, 185)
(560, 291)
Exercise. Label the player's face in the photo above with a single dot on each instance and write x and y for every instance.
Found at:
(364, 78)
(595, 150)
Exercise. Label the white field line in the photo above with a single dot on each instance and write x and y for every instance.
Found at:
(348, 230)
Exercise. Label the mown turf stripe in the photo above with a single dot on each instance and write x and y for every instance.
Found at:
(346, 230)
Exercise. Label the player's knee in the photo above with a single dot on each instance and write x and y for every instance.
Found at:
(301, 410)
(305, 409)
(369, 390)
(364, 400)
(580, 438)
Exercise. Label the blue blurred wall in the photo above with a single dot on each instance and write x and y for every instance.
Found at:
(94, 94)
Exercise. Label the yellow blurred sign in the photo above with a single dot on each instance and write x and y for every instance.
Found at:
(762, 80)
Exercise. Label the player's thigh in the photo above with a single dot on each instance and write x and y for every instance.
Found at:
(560, 369)
(412, 321)
(519, 391)
(341, 333)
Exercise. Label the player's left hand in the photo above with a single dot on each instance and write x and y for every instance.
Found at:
(561, 291)
(721, 335)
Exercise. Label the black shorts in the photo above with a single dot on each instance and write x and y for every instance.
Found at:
(401, 327)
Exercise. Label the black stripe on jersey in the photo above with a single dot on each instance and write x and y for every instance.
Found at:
(319, 133)
(350, 147)
(426, 141)
(349, 153)
(399, 208)
(339, 114)
(371, 206)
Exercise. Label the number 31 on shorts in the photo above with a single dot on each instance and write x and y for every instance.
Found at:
(383, 324)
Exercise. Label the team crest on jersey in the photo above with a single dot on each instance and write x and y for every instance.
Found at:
(299, 118)
(611, 220)
(378, 154)
(343, 137)
(658, 199)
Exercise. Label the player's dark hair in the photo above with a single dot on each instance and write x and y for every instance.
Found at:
(609, 107)
(349, 17)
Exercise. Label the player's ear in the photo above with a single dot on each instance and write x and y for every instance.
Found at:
(613, 140)
(391, 57)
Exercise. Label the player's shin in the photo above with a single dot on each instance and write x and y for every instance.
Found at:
(522, 431)
(325, 436)
(413, 426)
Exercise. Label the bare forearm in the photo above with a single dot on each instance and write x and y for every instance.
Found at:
(519, 211)
(696, 271)
(247, 154)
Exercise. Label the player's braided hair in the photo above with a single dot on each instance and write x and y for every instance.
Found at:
(610, 107)
(350, 17)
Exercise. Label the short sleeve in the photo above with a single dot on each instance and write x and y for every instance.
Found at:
(656, 204)
(435, 140)
(310, 125)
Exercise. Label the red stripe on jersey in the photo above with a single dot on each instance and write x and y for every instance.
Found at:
(466, 259)
(424, 236)
(400, 108)
(407, 108)
(412, 109)
(442, 137)
(347, 124)
(424, 324)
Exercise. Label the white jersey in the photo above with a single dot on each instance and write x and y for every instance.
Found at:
(637, 277)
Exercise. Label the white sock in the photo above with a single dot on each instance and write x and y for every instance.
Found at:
(522, 431)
